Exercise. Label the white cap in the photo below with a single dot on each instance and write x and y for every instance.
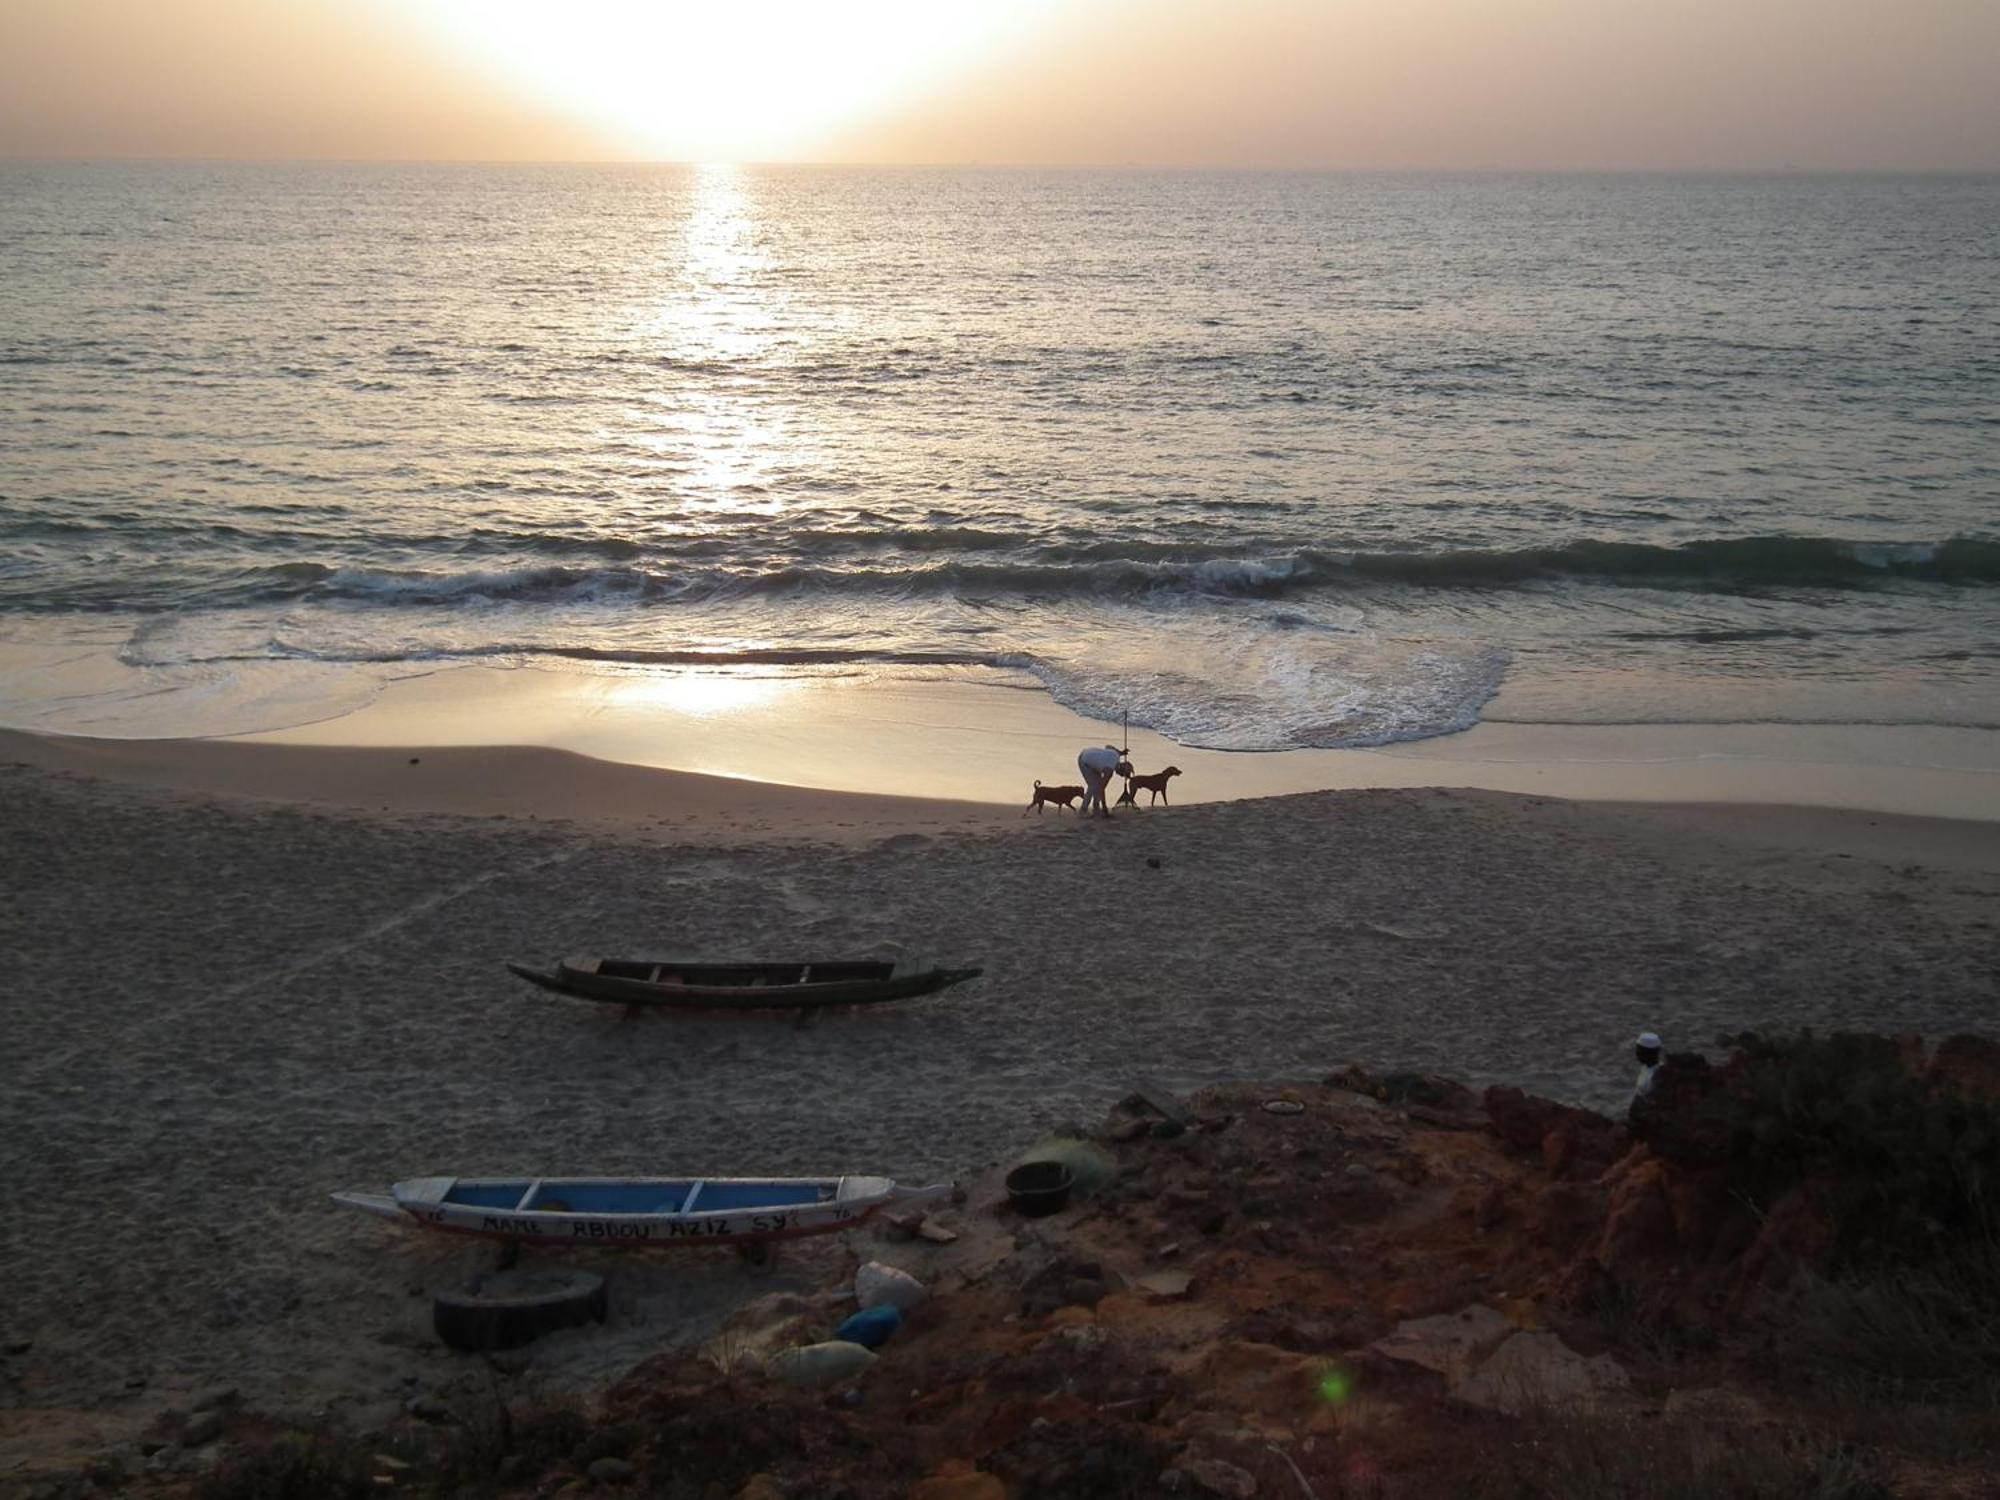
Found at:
(1650, 1040)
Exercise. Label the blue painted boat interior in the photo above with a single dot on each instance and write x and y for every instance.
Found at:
(487, 1194)
(759, 1195)
(610, 1197)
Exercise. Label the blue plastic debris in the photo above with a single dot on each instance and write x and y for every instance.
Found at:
(871, 1327)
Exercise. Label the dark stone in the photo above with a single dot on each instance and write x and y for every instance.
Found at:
(611, 1471)
(1066, 1283)
(205, 1427)
(427, 1409)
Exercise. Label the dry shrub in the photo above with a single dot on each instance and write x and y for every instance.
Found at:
(496, 1443)
(318, 1463)
(1617, 1457)
(1909, 1335)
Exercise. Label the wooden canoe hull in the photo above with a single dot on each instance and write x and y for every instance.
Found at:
(840, 1203)
(587, 979)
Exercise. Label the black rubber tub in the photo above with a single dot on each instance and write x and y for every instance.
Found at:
(1037, 1188)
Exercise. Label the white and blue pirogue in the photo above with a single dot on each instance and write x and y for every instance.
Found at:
(637, 1210)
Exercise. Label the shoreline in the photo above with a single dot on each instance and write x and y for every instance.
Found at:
(532, 785)
(902, 740)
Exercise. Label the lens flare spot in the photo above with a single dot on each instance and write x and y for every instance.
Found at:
(1336, 1385)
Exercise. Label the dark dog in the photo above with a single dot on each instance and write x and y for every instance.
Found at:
(1155, 783)
(1061, 796)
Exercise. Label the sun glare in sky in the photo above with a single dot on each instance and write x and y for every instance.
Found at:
(736, 79)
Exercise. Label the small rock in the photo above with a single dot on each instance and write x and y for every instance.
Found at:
(761, 1487)
(1079, 1338)
(901, 1227)
(1536, 1372)
(205, 1427)
(1152, 861)
(1167, 1251)
(106, 1471)
(876, 1284)
(1221, 1478)
(213, 1400)
(1165, 1286)
(427, 1409)
(135, 1382)
(1449, 1343)
(510, 1361)
(1358, 1169)
(148, 1446)
(937, 1234)
(415, 760)
(19, 1346)
(611, 1471)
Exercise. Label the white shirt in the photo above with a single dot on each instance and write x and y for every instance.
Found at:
(1645, 1083)
(1100, 758)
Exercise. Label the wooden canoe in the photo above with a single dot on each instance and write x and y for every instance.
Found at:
(693, 985)
(650, 1211)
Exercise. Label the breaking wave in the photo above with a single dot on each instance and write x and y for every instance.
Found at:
(1743, 564)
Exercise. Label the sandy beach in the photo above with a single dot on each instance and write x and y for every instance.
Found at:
(248, 975)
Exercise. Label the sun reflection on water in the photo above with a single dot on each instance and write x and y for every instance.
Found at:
(697, 694)
(718, 440)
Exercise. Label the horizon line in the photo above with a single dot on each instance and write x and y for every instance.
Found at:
(1776, 169)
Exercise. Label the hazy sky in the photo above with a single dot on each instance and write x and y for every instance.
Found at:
(1307, 83)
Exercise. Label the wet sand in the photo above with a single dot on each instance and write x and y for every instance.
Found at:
(245, 976)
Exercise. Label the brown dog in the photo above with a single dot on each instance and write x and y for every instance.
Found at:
(1061, 796)
(1155, 783)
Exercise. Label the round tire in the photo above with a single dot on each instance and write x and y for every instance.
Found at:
(506, 1309)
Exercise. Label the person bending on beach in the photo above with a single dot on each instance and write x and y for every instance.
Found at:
(1098, 764)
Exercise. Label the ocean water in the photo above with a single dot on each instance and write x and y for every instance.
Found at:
(1265, 460)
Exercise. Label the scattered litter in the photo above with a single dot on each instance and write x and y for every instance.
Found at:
(876, 1285)
(872, 1327)
(820, 1364)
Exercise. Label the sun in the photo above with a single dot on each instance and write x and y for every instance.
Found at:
(727, 80)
